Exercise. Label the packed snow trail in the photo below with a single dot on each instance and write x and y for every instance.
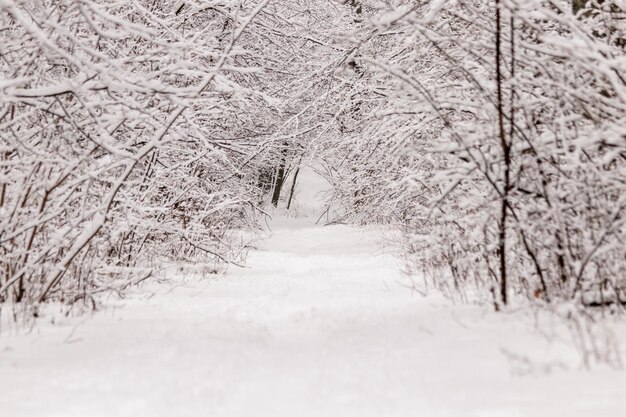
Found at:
(320, 324)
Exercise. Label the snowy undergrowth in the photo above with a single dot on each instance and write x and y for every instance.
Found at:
(320, 322)
(593, 338)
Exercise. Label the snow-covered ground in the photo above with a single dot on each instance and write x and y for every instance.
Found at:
(321, 323)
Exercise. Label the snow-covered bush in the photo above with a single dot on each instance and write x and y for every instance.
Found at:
(493, 134)
(127, 133)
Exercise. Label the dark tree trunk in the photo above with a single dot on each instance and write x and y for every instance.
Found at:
(280, 179)
(293, 187)
(506, 151)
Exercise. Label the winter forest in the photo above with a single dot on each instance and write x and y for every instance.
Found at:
(312, 208)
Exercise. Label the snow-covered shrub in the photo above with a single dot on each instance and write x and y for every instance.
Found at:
(496, 141)
(124, 137)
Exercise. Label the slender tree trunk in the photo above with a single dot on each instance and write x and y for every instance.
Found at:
(280, 179)
(293, 187)
(506, 151)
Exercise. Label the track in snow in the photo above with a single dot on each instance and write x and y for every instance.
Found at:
(319, 325)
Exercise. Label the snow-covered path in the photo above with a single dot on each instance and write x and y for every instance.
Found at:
(321, 324)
